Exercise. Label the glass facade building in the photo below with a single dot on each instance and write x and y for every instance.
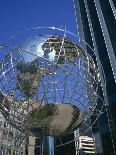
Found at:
(96, 20)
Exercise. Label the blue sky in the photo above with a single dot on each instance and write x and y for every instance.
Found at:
(16, 15)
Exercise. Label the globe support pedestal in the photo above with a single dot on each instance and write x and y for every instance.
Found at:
(47, 145)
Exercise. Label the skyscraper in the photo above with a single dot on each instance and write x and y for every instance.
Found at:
(9, 138)
(86, 145)
(96, 20)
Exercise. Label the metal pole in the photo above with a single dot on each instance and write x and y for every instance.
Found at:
(47, 145)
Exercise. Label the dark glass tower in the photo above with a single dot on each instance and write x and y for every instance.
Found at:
(96, 20)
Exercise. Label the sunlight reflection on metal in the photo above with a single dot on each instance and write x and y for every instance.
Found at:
(49, 85)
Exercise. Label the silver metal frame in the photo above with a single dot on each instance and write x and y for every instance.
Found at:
(89, 67)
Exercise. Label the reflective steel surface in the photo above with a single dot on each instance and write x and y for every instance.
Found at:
(48, 85)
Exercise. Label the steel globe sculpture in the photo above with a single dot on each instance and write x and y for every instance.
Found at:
(49, 85)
